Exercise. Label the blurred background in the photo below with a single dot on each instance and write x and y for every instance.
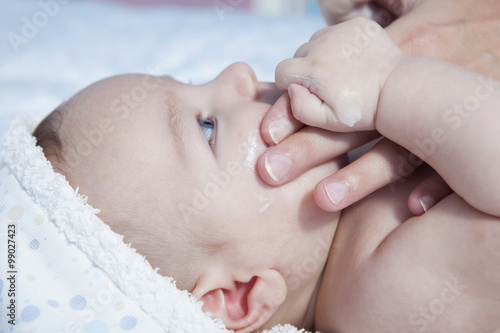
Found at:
(50, 49)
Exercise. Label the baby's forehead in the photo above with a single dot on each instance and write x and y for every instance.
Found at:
(118, 112)
(131, 84)
(122, 94)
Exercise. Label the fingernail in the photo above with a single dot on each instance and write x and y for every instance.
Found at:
(279, 129)
(277, 166)
(426, 202)
(336, 192)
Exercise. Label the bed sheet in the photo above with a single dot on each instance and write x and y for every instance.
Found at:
(52, 48)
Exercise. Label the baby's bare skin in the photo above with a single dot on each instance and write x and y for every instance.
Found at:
(390, 271)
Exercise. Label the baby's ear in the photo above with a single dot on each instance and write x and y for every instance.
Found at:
(247, 305)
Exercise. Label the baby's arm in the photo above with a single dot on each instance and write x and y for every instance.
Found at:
(449, 117)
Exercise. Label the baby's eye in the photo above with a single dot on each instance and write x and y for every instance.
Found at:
(208, 128)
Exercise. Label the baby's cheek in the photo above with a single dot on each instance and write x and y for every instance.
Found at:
(250, 148)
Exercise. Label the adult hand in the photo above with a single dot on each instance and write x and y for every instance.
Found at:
(308, 147)
(463, 32)
(459, 31)
(381, 11)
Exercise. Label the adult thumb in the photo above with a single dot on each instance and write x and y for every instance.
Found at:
(337, 11)
(397, 7)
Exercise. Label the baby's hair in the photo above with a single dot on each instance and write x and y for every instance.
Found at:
(48, 138)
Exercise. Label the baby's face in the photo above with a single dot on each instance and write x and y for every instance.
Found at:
(172, 167)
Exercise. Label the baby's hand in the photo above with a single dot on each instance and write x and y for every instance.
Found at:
(334, 80)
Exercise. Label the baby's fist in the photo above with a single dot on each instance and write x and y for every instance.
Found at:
(334, 80)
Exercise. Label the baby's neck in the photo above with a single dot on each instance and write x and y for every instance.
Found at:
(308, 321)
(299, 308)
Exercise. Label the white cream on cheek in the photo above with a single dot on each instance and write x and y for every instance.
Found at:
(266, 201)
(252, 146)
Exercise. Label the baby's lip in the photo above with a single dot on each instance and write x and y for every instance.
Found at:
(268, 92)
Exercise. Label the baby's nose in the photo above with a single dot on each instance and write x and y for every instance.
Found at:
(241, 78)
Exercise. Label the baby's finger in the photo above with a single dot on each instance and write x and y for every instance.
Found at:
(306, 149)
(303, 50)
(380, 166)
(427, 194)
(310, 109)
(279, 122)
(319, 33)
(294, 70)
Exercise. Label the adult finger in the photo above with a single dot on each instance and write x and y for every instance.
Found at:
(396, 7)
(429, 192)
(306, 149)
(279, 122)
(385, 163)
(339, 11)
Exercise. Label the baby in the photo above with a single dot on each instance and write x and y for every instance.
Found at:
(172, 167)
